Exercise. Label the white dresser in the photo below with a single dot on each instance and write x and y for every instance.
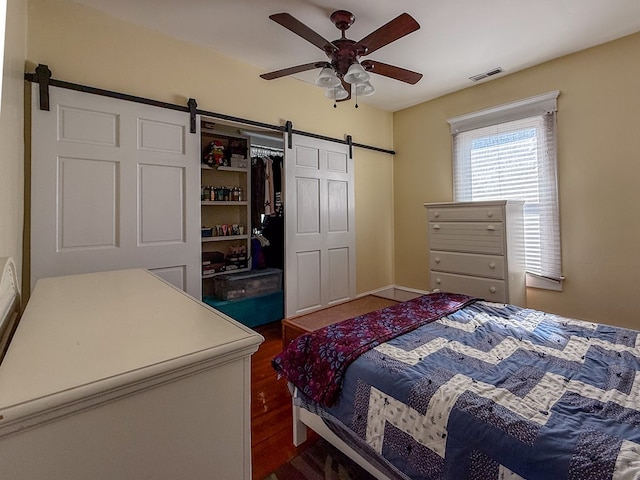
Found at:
(119, 375)
(477, 248)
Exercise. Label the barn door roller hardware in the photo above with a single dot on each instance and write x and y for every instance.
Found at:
(42, 77)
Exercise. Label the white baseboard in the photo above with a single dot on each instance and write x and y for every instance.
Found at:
(413, 290)
(395, 292)
(377, 290)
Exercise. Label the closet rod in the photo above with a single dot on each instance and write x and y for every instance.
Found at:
(273, 150)
(42, 76)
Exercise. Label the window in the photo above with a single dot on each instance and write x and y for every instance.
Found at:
(509, 153)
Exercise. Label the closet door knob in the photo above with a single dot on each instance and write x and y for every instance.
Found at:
(492, 289)
(437, 260)
(491, 228)
(492, 265)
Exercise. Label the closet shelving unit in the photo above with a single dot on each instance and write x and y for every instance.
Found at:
(218, 214)
(252, 297)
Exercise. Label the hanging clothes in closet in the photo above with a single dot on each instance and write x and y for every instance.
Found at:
(269, 193)
(266, 203)
(266, 183)
(257, 192)
(277, 183)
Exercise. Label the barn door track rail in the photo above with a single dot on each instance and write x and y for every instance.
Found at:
(42, 77)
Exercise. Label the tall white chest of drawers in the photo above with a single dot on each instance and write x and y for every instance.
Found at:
(477, 248)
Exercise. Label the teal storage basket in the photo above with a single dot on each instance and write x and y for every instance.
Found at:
(251, 311)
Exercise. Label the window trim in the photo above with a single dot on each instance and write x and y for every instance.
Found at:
(528, 107)
(517, 110)
(546, 283)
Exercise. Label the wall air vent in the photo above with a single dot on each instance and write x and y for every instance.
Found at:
(490, 73)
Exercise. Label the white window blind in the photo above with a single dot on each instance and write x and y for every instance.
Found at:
(498, 155)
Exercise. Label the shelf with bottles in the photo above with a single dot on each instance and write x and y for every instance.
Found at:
(224, 232)
(223, 195)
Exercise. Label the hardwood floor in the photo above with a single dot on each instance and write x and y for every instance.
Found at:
(271, 424)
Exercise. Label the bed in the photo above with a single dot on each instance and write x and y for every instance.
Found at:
(9, 303)
(447, 386)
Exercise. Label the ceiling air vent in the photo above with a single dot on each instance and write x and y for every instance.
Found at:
(490, 73)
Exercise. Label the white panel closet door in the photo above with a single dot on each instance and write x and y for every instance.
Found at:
(114, 185)
(320, 265)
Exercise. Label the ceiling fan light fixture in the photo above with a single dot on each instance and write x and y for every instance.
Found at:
(365, 89)
(327, 78)
(356, 74)
(343, 74)
(336, 93)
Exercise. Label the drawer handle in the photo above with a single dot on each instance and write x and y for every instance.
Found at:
(492, 289)
(436, 214)
(489, 214)
(436, 227)
(437, 260)
(435, 290)
(491, 228)
(492, 265)
(438, 281)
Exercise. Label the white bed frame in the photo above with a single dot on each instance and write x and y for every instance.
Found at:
(303, 419)
(9, 302)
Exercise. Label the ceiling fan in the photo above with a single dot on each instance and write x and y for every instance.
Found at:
(344, 70)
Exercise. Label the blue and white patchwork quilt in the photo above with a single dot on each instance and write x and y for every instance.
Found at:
(495, 391)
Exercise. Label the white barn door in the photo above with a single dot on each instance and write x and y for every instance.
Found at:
(319, 225)
(114, 185)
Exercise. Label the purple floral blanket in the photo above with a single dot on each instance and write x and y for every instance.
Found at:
(316, 362)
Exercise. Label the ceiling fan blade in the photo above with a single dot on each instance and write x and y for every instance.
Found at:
(397, 28)
(390, 71)
(296, 26)
(291, 70)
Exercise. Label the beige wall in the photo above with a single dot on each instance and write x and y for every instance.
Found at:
(12, 133)
(598, 145)
(84, 46)
(598, 175)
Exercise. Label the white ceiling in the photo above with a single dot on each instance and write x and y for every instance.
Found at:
(457, 38)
